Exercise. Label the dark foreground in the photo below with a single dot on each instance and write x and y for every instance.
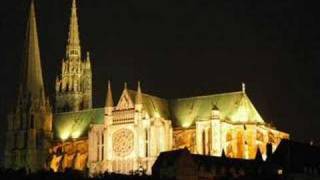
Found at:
(71, 175)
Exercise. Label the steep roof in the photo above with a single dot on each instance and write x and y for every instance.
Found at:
(76, 124)
(235, 107)
(155, 106)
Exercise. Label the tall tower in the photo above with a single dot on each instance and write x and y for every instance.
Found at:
(74, 84)
(29, 132)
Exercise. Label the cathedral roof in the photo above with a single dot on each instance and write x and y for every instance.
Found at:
(235, 107)
(154, 106)
(76, 124)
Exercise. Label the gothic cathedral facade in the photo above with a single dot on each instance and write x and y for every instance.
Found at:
(130, 138)
(126, 136)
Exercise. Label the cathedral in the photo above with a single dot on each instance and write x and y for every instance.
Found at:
(123, 136)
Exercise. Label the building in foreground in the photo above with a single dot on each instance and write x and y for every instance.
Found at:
(291, 160)
(124, 136)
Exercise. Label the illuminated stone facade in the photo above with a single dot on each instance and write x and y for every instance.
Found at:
(74, 84)
(128, 136)
(223, 122)
(238, 140)
(69, 154)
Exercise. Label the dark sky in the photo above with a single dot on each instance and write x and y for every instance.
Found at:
(181, 48)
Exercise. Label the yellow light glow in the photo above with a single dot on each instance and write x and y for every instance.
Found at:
(64, 135)
(157, 115)
(241, 115)
(76, 134)
(186, 124)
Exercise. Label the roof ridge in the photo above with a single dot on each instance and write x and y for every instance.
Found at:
(84, 110)
(209, 95)
(145, 94)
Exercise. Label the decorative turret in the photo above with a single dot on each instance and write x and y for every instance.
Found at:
(109, 100)
(138, 100)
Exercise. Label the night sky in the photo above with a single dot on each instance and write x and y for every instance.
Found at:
(182, 48)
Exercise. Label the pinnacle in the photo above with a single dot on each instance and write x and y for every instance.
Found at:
(109, 100)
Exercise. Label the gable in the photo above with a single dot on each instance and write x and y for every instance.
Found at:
(153, 105)
(125, 101)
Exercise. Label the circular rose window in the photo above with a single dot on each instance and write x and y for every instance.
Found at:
(122, 142)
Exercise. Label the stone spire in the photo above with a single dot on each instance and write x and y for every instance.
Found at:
(73, 46)
(32, 80)
(75, 82)
(138, 100)
(109, 100)
(29, 131)
(139, 94)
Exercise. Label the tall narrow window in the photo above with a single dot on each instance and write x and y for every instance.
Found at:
(102, 146)
(98, 148)
(147, 142)
(210, 140)
(204, 142)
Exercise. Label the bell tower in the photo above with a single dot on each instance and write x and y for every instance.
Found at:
(29, 131)
(74, 84)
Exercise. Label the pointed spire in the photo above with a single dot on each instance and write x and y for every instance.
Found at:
(73, 46)
(88, 56)
(125, 86)
(139, 94)
(243, 87)
(88, 64)
(32, 80)
(109, 100)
